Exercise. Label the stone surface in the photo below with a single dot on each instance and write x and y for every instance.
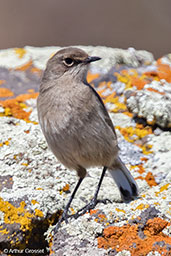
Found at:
(154, 106)
(150, 97)
(13, 58)
(35, 187)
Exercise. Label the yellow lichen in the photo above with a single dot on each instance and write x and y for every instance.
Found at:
(34, 202)
(20, 52)
(14, 214)
(6, 142)
(142, 206)
(156, 203)
(132, 134)
(165, 187)
(91, 77)
(120, 210)
(4, 231)
(39, 213)
(25, 164)
(72, 210)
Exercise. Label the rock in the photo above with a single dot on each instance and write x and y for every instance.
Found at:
(17, 57)
(152, 103)
(149, 95)
(35, 187)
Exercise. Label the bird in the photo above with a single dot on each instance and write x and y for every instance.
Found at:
(77, 126)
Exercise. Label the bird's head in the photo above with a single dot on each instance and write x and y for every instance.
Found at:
(71, 62)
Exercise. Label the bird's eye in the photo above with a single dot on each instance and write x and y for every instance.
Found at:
(68, 62)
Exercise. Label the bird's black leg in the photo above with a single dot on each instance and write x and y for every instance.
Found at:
(64, 214)
(94, 200)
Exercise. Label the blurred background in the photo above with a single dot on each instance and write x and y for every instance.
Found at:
(116, 23)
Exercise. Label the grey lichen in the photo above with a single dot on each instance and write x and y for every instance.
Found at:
(152, 103)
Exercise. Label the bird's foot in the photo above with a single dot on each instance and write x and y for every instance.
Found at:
(64, 217)
(91, 205)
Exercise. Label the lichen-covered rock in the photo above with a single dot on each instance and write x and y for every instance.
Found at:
(149, 95)
(19, 57)
(35, 187)
(152, 103)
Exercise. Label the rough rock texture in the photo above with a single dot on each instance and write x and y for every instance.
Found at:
(12, 58)
(154, 106)
(35, 187)
(152, 99)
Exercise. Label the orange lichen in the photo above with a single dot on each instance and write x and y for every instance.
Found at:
(93, 211)
(139, 178)
(36, 70)
(138, 82)
(152, 74)
(150, 179)
(139, 167)
(5, 142)
(14, 107)
(100, 218)
(72, 210)
(108, 84)
(154, 90)
(128, 113)
(4, 92)
(155, 226)
(24, 97)
(164, 72)
(131, 78)
(127, 238)
(25, 67)
(91, 77)
(144, 159)
(27, 131)
(66, 188)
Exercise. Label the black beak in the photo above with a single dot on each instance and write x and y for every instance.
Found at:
(91, 59)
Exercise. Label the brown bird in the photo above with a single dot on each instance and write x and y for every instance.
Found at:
(77, 126)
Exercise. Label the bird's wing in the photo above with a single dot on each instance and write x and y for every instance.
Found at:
(106, 115)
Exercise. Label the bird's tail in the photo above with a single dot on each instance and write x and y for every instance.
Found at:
(127, 186)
